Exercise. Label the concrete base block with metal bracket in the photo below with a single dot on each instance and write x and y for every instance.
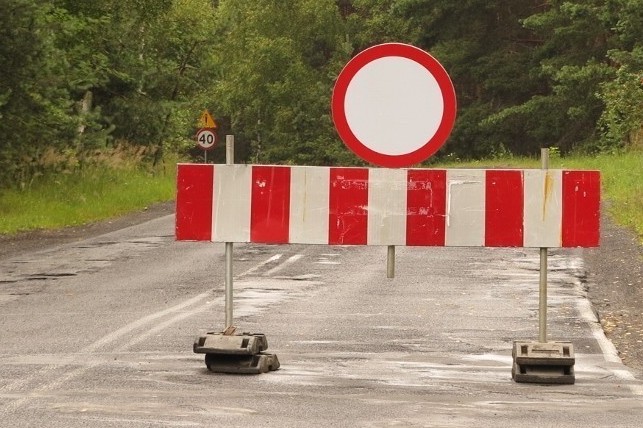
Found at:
(547, 363)
(236, 353)
(236, 344)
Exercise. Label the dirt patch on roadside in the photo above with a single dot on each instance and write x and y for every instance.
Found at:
(615, 280)
(21, 243)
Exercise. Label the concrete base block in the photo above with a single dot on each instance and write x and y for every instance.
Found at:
(547, 363)
(241, 364)
(551, 375)
(236, 353)
(237, 344)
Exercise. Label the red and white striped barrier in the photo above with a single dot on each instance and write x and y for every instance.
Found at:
(362, 206)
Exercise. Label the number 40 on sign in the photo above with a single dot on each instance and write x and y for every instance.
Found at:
(206, 138)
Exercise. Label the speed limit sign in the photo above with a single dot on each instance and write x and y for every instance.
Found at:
(206, 138)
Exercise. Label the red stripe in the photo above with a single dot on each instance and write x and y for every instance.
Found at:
(504, 208)
(348, 200)
(194, 202)
(270, 204)
(581, 208)
(426, 207)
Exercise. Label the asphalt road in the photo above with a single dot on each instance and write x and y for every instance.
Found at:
(98, 333)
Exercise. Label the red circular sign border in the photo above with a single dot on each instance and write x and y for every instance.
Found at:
(434, 68)
(214, 133)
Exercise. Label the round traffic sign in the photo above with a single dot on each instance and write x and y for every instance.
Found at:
(394, 105)
(206, 138)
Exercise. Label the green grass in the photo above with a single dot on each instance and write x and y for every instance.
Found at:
(96, 193)
(621, 180)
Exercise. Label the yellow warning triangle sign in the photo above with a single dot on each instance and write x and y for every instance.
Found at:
(206, 120)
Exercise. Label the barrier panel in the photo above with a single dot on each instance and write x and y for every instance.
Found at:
(363, 206)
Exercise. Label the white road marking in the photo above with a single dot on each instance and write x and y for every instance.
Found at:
(290, 260)
(610, 354)
(260, 265)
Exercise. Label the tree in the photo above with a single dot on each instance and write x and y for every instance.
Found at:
(36, 79)
(489, 56)
(277, 69)
(79, 76)
(576, 38)
(621, 122)
(157, 66)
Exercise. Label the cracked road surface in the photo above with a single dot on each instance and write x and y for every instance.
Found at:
(99, 332)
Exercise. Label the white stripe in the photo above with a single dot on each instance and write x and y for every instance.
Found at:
(543, 208)
(231, 211)
(309, 202)
(386, 206)
(465, 213)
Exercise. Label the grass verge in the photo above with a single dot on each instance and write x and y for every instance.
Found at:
(95, 193)
(622, 184)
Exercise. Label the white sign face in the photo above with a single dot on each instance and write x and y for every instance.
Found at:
(394, 105)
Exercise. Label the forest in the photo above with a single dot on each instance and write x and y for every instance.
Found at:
(81, 78)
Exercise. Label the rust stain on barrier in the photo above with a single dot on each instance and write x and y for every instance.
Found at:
(549, 185)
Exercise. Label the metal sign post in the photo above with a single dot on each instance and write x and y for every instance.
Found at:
(229, 160)
(390, 262)
(206, 135)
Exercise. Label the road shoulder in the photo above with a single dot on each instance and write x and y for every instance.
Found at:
(25, 242)
(615, 288)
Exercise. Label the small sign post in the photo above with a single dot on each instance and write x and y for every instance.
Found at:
(206, 136)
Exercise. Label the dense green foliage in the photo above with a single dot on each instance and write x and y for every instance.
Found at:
(77, 77)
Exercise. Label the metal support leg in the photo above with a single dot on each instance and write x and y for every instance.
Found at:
(228, 285)
(390, 262)
(542, 303)
(229, 155)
